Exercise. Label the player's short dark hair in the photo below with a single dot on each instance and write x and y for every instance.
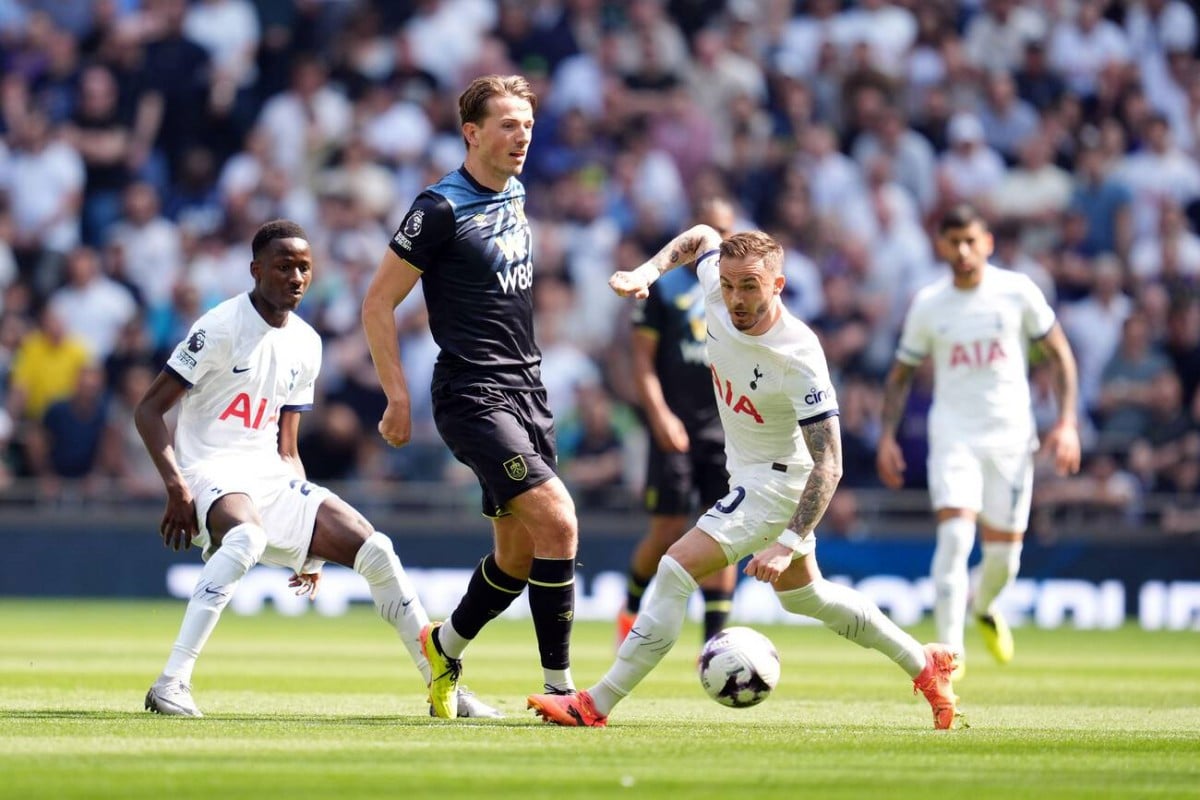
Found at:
(473, 102)
(275, 229)
(754, 244)
(961, 215)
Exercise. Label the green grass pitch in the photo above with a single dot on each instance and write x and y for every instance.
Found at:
(312, 707)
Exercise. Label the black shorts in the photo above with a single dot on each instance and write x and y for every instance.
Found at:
(675, 482)
(506, 437)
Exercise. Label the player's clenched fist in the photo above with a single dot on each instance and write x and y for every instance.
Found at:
(627, 283)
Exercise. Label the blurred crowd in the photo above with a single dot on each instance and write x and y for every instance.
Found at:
(143, 141)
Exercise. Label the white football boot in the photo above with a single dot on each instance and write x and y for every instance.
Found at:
(172, 698)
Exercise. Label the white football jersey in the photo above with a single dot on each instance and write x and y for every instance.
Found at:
(241, 373)
(978, 339)
(766, 386)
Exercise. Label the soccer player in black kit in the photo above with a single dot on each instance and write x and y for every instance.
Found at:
(466, 238)
(687, 444)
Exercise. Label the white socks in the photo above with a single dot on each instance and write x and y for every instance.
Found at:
(852, 615)
(955, 537)
(999, 566)
(240, 550)
(653, 634)
(394, 595)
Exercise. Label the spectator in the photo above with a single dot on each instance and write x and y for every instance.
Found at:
(970, 170)
(1094, 327)
(1007, 120)
(46, 367)
(44, 183)
(93, 307)
(153, 255)
(68, 444)
(995, 38)
(1127, 386)
(104, 140)
(1104, 203)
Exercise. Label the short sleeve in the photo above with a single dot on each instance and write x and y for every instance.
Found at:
(202, 352)
(1037, 317)
(427, 228)
(709, 272)
(914, 344)
(811, 389)
(303, 391)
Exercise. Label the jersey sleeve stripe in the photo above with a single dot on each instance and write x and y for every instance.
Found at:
(300, 407)
(833, 412)
(706, 254)
(167, 369)
(909, 357)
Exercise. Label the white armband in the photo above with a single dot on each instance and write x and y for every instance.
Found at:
(801, 545)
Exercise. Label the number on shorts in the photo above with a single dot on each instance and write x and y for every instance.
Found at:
(738, 494)
(305, 486)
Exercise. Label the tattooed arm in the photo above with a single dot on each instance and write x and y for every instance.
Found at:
(889, 461)
(824, 440)
(683, 249)
(1063, 439)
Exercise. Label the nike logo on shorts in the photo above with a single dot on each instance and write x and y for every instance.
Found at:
(237, 371)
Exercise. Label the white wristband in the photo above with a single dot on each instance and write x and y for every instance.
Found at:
(649, 272)
(793, 541)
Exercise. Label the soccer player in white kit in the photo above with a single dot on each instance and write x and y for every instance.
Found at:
(235, 483)
(976, 326)
(783, 445)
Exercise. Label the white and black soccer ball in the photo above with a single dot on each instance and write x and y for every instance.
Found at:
(739, 667)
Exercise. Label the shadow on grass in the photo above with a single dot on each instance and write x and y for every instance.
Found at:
(407, 721)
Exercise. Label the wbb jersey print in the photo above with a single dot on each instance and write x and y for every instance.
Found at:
(473, 247)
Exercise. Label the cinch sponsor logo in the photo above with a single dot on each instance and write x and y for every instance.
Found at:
(184, 358)
(815, 396)
(402, 240)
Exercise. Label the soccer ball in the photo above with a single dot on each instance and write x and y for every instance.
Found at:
(739, 667)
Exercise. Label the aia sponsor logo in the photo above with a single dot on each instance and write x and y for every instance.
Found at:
(250, 413)
(742, 405)
(977, 354)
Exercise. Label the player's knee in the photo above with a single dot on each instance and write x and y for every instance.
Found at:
(375, 557)
(246, 542)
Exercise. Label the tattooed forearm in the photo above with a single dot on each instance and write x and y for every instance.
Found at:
(685, 248)
(824, 440)
(895, 396)
(1066, 378)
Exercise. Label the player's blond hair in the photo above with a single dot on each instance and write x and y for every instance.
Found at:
(473, 102)
(754, 245)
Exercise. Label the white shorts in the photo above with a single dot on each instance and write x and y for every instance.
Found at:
(995, 484)
(759, 506)
(287, 504)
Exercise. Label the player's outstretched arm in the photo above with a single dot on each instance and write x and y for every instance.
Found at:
(683, 249)
(889, 460)
(1063, 439)
(393, 281)
(178, 524)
